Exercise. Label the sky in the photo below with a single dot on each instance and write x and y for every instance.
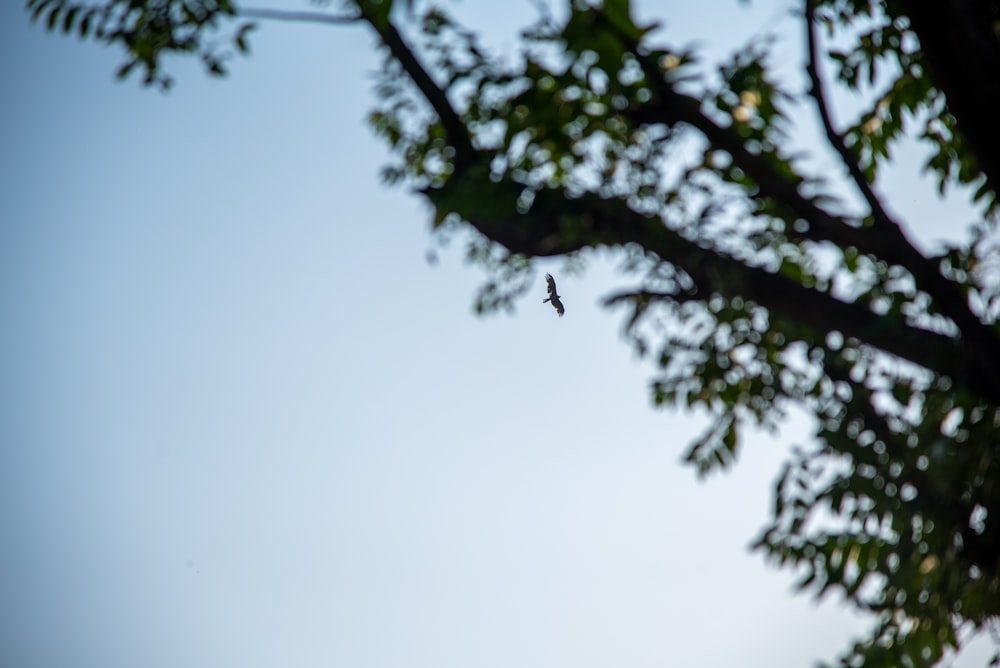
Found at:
(245, 423)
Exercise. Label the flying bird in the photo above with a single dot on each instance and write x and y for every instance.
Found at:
(553, 296)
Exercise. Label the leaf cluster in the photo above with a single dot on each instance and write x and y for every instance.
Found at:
(149, 30)
(882, 52)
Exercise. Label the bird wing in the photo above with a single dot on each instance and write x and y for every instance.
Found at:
(551, 286)
(553, 295)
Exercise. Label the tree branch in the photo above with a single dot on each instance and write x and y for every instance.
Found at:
(307, 17)
(458, 134)
(669, 106)
(880, 217)
(885, 241)
(557, 224)
(569, 224)
(950, 298)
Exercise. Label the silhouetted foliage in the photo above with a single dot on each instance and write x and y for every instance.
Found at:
(761, 285)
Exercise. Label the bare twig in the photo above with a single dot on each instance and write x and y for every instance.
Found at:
(306, 17)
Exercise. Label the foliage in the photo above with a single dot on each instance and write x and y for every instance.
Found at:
(148, 30)
(760, 285)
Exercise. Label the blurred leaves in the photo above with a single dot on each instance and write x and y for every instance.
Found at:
(879, 507)
(884, 53)
(150, 30)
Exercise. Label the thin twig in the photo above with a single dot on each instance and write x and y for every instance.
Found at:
(879, 215)
(306, 17)
(435, 96)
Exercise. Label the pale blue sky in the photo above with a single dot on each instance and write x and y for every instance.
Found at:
(245, 424)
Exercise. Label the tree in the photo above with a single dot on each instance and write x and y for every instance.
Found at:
(761, 285)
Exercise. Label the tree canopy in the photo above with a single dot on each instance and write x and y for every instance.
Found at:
(761, 283)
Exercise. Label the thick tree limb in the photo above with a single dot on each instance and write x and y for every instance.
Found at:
(557, 224)
(885, 241)
(672, 107)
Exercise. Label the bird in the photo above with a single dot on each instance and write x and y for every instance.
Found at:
(553, 296)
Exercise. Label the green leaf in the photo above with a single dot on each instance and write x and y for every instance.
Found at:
(241, 37)
(124, 69)
(53, 18)
(37, 7)
(619, 14)
(83, 29)
(68, 17)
